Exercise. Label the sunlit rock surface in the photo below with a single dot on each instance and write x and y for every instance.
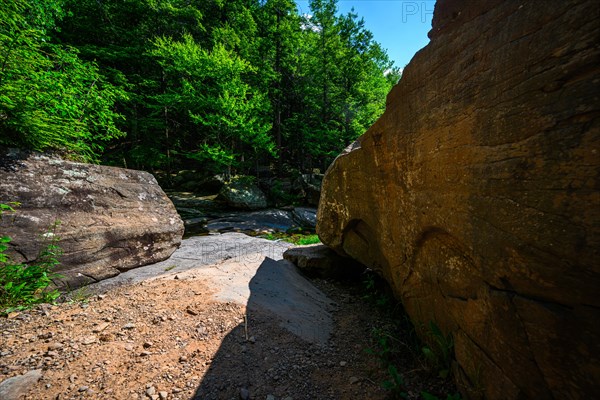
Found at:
(110, 219)
(476, 195)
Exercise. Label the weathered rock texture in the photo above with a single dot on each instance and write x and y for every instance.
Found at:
(317, 260)
(16, 387)
(476, 195)
(243, 195)
(111, 219)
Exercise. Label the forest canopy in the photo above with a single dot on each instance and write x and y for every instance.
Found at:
(162, 85)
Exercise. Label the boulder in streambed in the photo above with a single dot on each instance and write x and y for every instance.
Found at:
(242, 194)
(111, 219)
(306, 217)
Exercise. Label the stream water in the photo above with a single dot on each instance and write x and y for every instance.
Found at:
(204, 215)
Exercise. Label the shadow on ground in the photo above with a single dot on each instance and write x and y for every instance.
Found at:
(288, 323)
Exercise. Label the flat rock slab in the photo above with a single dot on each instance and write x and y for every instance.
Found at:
(246, 270)
(17, 386)
(319, 260)
(256, 221)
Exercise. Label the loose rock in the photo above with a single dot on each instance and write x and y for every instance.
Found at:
(15, 387)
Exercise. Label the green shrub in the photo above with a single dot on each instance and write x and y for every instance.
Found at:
(307, 239)
(22, 286)
(295, 238)
(440, 355)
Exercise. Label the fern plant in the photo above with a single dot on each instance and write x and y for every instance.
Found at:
(440, 355)
(21, 285)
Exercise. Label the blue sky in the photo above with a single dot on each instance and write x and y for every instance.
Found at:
(400, 26)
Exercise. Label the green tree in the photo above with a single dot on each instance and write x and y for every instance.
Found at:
(235, 83)
(209, 86)
(118, 36)
(280, 42)
(49, 98)
(343, 80)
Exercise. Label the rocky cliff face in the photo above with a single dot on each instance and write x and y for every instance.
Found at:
(111, 219)
(476, 195)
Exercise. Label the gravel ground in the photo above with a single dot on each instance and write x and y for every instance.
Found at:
(174, 337)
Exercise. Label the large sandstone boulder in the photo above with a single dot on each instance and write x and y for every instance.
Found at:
(476, 195)
(111, 219)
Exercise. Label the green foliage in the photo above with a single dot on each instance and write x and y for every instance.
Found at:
(429, 396)
(439, 356)
(49, 98)
(389, 347)
(281, 196)
(22, 286)
(395, 384)
(229, 85)
(385, 348)
(210, 86)
(373, 292)
(218, 85)
(81, 295)
(295, 238)
(308, 239)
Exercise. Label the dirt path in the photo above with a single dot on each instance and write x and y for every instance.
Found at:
(198, 332)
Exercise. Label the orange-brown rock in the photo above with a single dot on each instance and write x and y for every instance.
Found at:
(476, 195)
(111, 219)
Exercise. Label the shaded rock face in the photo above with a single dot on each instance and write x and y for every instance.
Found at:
(317, 260)
(476, 195)
(242, 195)
(111, 219)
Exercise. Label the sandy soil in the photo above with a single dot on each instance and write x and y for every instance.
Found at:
(171, 338)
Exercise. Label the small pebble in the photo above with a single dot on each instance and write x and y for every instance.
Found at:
(89, 340)
(100, 327)
(55, 346)
(83, 388)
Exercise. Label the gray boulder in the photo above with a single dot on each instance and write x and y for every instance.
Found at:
(243, 195)
(17, 386)
(305, 217)
(111, 219)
